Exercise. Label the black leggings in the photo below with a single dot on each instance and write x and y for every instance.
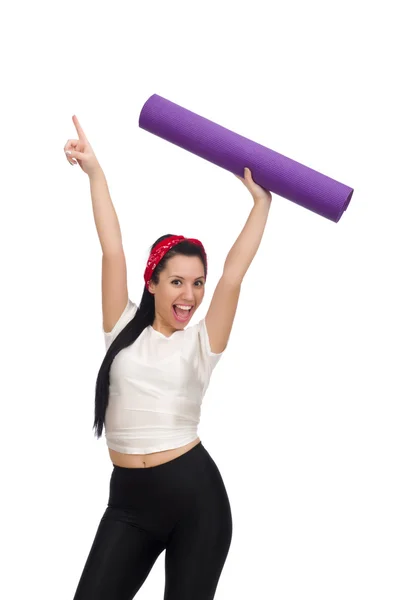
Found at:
(180, 506)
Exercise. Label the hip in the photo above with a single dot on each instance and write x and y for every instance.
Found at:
(187, 491)
(192, 478)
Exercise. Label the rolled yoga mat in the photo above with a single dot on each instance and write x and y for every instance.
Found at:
(231, 151)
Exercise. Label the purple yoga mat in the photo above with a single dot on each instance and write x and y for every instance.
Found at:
(231, 151)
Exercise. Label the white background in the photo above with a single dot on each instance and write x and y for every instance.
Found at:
(300, 415)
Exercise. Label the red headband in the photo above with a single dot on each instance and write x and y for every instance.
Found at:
(162, 248)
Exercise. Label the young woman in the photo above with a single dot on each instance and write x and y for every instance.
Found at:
(166, 492)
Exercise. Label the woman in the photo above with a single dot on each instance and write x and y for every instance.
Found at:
(166, 492)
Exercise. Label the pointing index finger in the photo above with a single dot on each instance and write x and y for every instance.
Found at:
(79, 129)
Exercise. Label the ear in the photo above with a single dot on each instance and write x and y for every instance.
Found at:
(151, 287)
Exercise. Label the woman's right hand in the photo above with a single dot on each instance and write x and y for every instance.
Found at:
(81, 151)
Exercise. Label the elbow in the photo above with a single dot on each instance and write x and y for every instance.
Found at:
(232, 277)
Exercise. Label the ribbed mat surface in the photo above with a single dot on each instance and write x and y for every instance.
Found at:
(231, 151)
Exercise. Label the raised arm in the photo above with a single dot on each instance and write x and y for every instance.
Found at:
(220, 316)
(245, 247)
(105, 216)
(114, 269)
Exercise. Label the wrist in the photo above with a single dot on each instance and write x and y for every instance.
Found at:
(262, 198)
(96, 173)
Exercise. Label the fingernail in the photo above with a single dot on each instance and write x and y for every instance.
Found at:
(68, 152)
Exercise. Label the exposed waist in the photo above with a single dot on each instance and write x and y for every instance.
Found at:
(152, 459)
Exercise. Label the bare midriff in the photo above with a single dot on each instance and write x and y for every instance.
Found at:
(137, 461)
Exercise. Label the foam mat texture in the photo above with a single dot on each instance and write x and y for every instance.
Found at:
(229, 150)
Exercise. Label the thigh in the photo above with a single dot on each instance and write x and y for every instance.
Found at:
(197, 550)
(119, 561)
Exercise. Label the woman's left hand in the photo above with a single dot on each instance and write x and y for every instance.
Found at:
(258, 193)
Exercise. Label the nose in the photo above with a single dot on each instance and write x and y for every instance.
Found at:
(188, 295)
(188, 299)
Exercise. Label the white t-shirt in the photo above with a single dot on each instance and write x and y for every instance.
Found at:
(157, 385)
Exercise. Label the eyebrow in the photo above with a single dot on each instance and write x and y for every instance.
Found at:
(180, 277)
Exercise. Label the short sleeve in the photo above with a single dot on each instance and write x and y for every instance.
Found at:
(210, 358)
(126, 316)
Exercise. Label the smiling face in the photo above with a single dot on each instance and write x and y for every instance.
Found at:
(180, 283)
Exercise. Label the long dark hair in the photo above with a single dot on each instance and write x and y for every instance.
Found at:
(143, 318)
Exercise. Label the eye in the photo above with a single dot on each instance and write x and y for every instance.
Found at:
(200, 282)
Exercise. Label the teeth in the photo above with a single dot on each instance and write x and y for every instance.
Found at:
(183, 307)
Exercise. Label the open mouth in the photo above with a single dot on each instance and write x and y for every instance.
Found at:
(180, 314)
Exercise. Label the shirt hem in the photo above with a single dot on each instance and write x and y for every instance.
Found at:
(149, 450)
